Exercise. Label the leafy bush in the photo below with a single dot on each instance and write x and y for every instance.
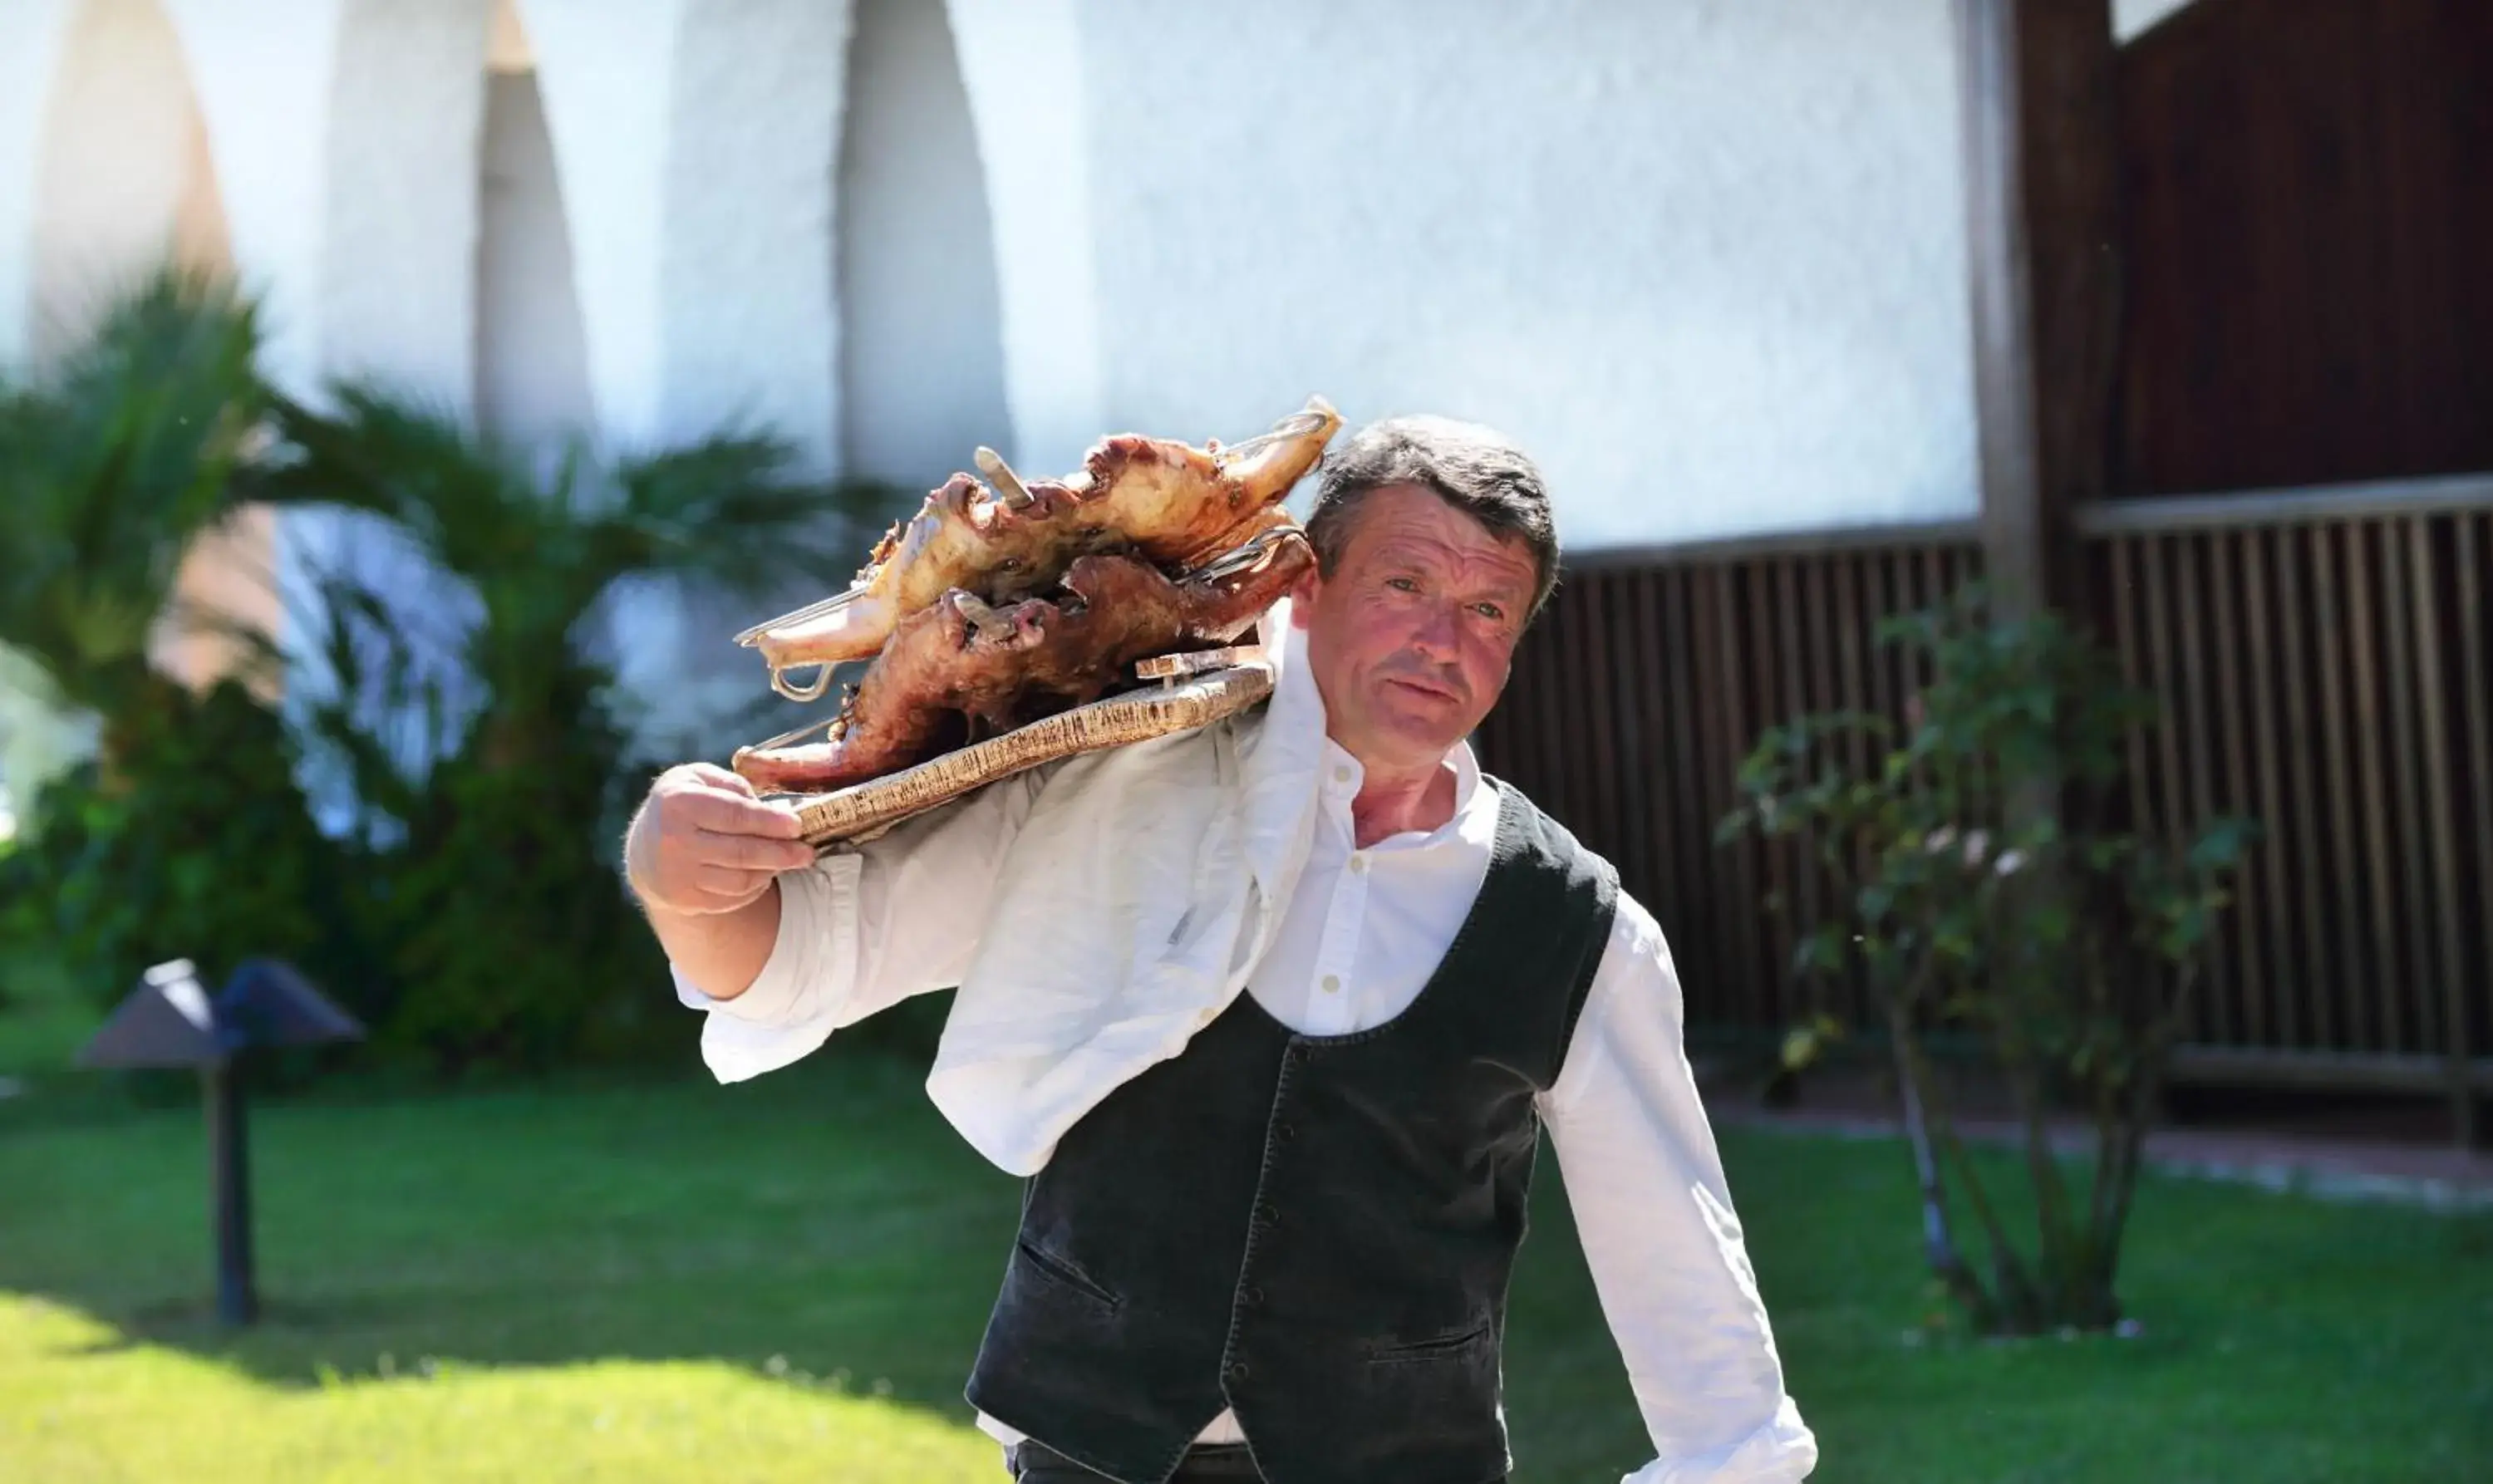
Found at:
(467, 744)
(111, 467)
(194, 845)
(468, 907)
(1993, 886)
(185, 835)
(494, 885)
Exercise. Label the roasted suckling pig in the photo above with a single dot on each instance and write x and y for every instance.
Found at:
(960, 667)
(1173, 505)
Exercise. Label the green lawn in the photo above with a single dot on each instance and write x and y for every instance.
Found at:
(784, 1281)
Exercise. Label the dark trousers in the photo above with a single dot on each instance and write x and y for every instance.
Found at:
(1228, 1464)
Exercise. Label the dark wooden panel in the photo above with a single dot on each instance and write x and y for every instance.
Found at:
(2350, 930)
(2042, 168)
(2308, 217)
(1638, 694)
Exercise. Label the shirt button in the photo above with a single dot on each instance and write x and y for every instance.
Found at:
(1332, 982)
(1359, 865)
(1342, 775)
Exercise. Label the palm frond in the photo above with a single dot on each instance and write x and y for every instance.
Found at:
(400, 458)
(727, 512)
(544, 544)
(112, 463)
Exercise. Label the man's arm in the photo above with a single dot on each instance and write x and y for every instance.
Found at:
(831, 941)
(1660, 1234)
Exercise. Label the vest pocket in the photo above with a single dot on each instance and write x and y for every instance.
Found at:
(1463, 1345)
(1062, 1271)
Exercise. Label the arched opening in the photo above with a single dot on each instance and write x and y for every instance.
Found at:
(126, 183)
(533, 381)
(922, 347)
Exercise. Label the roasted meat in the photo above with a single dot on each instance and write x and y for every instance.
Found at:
(1170, 503)
(960, 666)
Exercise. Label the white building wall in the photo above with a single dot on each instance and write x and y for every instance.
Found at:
(750, 333)
(32, 33)
(262, 69)
(922, 348)
(1704, 258)
(1028, 76)
(605, 67)
(695, 145)
(117, 174)
(531, 352)
(399, 256)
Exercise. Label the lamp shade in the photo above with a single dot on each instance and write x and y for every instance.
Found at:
(169, 1021)
(268, 1002)
(166, 1021)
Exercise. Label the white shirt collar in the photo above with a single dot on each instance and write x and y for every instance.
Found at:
(1299, 708)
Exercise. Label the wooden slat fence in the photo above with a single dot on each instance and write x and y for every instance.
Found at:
(2325, 664)
(2326, 660)
(1636, 695)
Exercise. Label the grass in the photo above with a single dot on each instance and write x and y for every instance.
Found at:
(785, 1281)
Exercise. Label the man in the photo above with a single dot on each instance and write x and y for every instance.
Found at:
(1280, 1157)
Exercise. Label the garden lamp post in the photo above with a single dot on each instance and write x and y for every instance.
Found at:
(170, 1021)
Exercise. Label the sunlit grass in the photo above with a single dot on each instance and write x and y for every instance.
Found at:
(84, 1406)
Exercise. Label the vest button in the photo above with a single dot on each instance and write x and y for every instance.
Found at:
(1269, 1212)
(1254, 1298)
(1285, 1133)
(1238, 1371)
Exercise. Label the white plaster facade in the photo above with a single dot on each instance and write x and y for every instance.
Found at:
(1703, 256)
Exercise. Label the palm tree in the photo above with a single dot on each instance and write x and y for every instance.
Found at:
(492, 926)
(185, 835)
(141, 441)
(513, 942)
(540, 551)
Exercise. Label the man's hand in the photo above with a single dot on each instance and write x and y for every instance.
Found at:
(702, 844)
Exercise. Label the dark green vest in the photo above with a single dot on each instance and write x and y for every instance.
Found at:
(1316, 1230)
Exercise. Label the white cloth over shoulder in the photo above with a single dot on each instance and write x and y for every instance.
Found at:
(1089, 968)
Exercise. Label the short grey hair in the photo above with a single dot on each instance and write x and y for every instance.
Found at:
(1476, 469)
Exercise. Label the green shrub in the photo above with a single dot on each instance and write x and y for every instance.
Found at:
(496, 897)
(471, 910)
(193, 843)
(510, 941)
(1990, 885)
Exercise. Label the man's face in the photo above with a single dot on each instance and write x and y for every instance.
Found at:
(1409, 640)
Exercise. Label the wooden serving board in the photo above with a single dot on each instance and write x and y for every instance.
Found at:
(862, 810)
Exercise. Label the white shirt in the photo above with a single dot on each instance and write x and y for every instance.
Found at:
(1362, 932)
